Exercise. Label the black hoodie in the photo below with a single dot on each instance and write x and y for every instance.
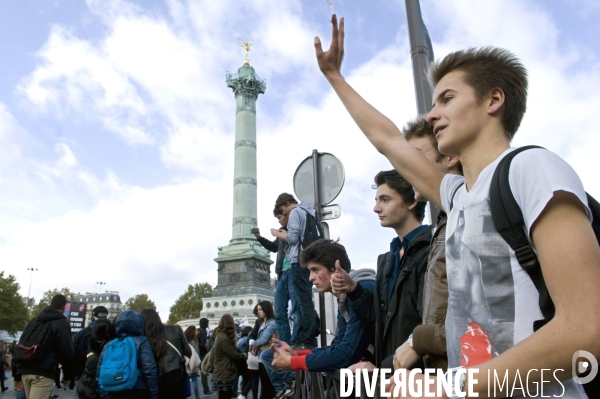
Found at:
(62, 347)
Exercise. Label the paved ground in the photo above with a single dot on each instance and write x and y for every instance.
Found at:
(68, 394)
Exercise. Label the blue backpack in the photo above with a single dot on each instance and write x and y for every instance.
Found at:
(118, 371)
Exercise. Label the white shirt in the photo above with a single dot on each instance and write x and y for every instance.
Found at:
(492, 301)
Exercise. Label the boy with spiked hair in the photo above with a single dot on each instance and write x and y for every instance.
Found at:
(479, 100)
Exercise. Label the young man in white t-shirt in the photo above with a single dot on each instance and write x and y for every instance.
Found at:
(479, 101)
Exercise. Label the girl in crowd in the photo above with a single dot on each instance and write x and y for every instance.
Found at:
(190, 335)
(266, 332)
(169, 346)
(226, 355)
(87, 385)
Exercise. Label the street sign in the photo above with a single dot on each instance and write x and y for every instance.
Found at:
(330, 212)
(331, 179)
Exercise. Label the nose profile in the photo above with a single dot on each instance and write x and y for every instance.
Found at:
(432, 116)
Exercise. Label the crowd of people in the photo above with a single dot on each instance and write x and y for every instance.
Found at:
(453, 295)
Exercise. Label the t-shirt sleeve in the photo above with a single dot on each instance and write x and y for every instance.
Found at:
(535, 175)
(450, 184)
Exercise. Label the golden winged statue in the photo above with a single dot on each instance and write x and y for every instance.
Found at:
(246, 45)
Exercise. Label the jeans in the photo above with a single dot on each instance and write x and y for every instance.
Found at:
(283, 293)
(278, 378)
(307, 322)
(194, 377)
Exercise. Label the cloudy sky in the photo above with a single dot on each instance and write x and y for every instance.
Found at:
(117, 128)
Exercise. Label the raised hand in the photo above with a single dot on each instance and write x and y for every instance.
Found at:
(341, 282)
(330, 61)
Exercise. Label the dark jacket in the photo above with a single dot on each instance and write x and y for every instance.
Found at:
(87, 385)
(226, 354)
(80, 348)
(132, 324)
(275, 246)
(348, 347)
(172, 360)
(202, 342)
(429, 338)
(390, 324)
(62, 347)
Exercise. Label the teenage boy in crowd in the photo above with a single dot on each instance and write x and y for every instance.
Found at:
(298, 212)
(284, 292)
(428, 340)
(351, 340)
(479, 100)
(393, 309)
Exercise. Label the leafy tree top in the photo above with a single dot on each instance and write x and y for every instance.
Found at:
(139, 302)
(190, 302)
(13, 313)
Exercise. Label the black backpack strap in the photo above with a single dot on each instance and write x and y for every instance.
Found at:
(454, 195)
(509, 222)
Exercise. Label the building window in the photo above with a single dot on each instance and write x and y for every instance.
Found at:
(224, 303)
(242, 302)
(250, 301)
(216, 304)
(208, 305)
(232, 303)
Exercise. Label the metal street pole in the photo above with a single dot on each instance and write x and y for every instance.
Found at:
(421, 52)
(322, 316)
(31, 269)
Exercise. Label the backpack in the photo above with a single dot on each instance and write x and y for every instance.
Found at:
(35, 343)
(312, 231)
(118, 371)
(208, 364)
(509, 222)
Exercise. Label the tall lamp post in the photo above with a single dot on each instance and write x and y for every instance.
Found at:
(31, 269)
(100, 283)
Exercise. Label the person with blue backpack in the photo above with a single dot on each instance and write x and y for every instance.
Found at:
(127, 368)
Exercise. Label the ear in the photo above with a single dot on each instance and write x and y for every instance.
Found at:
(451, 162)
(412, 206)
(496, 101)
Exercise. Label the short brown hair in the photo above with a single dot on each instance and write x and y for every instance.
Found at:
(326, 252)
(284, 199)
(395, 181)
(486, 69)
(419, 127)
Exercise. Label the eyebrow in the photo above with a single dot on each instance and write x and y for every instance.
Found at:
(442, 94)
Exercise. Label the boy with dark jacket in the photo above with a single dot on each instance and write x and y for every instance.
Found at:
(394, 308)
(37, 375)
(322, 258)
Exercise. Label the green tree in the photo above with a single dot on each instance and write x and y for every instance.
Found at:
(139, 302)
(13, 313)
(47, 298)
(190, 303)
